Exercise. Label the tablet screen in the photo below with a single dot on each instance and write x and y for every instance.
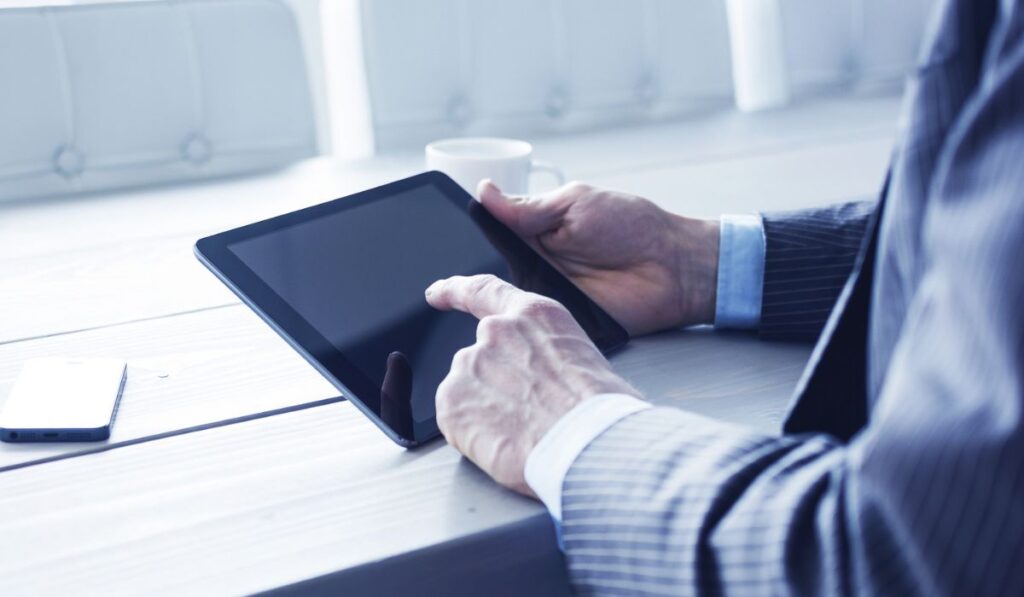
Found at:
(356, 275)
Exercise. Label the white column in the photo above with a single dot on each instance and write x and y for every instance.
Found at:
(758, 54)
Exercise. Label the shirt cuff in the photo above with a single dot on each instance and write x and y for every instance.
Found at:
(740, 272)
(550, 459)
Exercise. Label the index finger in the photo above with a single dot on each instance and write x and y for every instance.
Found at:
(480, 296)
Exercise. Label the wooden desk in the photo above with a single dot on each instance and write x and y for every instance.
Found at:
(233, 467)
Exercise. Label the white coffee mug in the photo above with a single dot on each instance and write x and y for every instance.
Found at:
(507, 162)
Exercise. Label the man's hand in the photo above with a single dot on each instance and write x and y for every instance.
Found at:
(649, 269)
(531, 364)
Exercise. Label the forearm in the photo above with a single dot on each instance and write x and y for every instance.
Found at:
(808, 257)
(781, 273)
(923, 500)
(669, 502)
(736, 304)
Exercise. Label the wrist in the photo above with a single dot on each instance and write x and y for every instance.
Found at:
(698, 249)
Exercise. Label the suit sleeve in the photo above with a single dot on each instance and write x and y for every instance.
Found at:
(809, 254)
(925, 500)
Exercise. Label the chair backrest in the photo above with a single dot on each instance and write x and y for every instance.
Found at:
(440, 68)
(102, 96)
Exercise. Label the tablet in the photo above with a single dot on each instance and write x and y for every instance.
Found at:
(343, 283)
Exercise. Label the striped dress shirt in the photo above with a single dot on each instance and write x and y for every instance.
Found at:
(901, 469)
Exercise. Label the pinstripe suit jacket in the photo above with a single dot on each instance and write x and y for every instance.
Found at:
(902, 467)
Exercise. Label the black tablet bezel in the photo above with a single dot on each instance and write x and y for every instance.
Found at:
(214, 252)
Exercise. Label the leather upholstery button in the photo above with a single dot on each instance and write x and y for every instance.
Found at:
(68, 161)
(196, 149)
(458, 110)
(556, 103)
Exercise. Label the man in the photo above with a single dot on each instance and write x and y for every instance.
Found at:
(901, 469)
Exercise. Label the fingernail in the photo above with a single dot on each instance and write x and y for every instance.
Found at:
(485, 186)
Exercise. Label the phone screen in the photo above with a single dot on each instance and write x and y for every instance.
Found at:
(57, 399)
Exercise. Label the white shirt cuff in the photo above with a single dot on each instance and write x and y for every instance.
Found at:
(550, 459)
(740, 272)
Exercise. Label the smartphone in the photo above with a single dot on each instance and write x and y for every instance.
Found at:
(63, 400)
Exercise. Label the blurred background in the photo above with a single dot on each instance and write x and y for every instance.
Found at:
(133, 83)
(130, 129)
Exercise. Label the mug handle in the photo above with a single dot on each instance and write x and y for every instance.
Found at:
(548, 168)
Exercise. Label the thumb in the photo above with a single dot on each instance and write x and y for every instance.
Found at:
(526, 216)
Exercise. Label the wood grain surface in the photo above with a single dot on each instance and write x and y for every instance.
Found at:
(183, 371)
(299, 495)
(231, 469)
